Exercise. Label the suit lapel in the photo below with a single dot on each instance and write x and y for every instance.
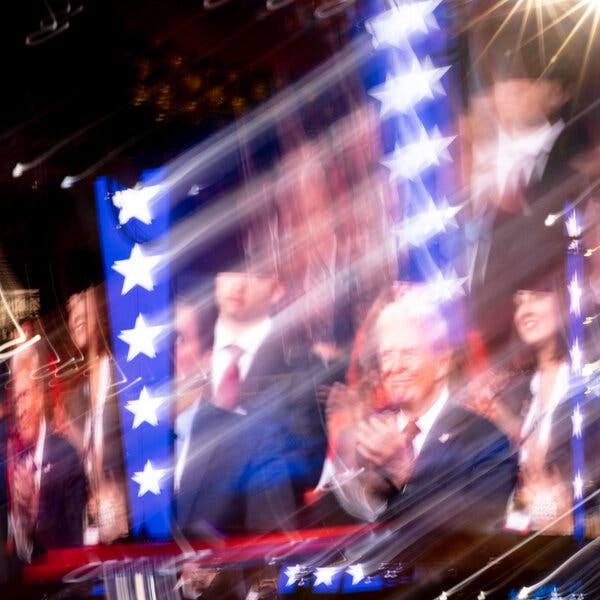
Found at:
(267, 364)
(207, 429)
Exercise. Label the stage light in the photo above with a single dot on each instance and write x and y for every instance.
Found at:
(18, 170)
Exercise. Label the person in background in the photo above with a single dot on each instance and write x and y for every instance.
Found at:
(88, 415)
(261, 425)
(414, 456)
(47, 481)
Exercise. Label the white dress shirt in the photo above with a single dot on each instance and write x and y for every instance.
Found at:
(248, 342)
(183, 430)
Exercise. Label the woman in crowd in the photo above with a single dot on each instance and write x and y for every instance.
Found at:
(533, 407)
(88, 415)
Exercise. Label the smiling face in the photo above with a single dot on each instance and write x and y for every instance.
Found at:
(410, 368)
(537, 317)
(80, 318)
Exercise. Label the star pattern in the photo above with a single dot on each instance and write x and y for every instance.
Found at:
(572, 225)
(403, 92)
(149, 479)
(324, 575)
(409, 161)
(292, 574)
(576, 358)
(445, 288)
(144, 408)
(395, 26)
(575, 294)
(578, 486)
(419, 228)
(141, 338)
(137, 270)
(357, 573)
(577, 421)
(135, 204)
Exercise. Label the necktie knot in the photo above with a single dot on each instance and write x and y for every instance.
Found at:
(227, 393)
(411, 430)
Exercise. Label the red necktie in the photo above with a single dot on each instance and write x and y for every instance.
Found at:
(410, 431)
(227, 393)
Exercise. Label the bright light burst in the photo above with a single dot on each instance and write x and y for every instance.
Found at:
(570, 21)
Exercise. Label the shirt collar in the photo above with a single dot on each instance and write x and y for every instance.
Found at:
(249, 341)
(520, 152)
(39, 447)
(425, 422)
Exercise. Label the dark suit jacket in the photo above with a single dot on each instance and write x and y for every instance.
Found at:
(76, 398)
(461, 482)
(282, 387)
(235, 478)
(63, 497)
(521, 246)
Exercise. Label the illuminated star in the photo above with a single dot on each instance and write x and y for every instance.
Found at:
(137, 270)
(144, 408)
(572, 225)
(325, 575)
(396, 25)
(292, 574)
(444, 288)
(134, 204)
(419, 228)
(141, 338)
(403, 92)
(576, 357)
(414, 158)
(575, 295)
(577, 421)
(578, 486)
(149, 479)
(357, 573)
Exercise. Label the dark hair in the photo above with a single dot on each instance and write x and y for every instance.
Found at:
(524, 357)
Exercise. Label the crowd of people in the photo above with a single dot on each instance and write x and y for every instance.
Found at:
(313, 388)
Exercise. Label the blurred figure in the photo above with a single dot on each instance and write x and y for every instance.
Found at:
(534, 407)
(257, 441)
(193, 342)
(89, 416)
(413, 454)
(522, 173)
(544, 492)
(48, 486)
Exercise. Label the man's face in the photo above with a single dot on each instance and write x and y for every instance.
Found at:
(246, 297)
(523, 103)
(408, 366)
(188, 347)
(29, 405)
